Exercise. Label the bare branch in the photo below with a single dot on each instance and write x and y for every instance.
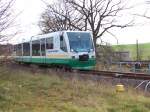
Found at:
(98, 16)
(6, 19)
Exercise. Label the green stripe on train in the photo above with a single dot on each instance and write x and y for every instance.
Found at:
(73, 63)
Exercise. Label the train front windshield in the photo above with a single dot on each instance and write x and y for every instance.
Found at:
(80, 41)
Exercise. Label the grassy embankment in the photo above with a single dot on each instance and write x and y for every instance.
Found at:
(25, 91)
(144, 49)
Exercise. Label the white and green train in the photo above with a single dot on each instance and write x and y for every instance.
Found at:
(72, 49)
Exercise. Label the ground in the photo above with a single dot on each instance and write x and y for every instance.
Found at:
(27, 90)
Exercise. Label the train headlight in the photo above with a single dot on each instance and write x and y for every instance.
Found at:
(72, 50)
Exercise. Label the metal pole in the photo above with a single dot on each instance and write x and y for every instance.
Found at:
(137, 50)
(149, 68)
(31, 47)
(22, 48)
(40, 48)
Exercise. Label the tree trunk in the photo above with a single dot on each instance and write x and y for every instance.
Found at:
(94, 40)
(96, 51)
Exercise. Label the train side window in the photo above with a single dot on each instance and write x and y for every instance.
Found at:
(49, 43)
(36, 48)
(26, 49)
(15, 48)
(43, 47)
(63, 45)
(19, 50)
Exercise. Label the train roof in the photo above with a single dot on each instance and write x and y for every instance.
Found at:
(36, 37)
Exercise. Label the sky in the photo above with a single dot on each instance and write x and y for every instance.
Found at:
(30, 11)
(27, 22)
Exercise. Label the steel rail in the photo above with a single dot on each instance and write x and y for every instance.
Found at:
(129, 75)
(115, 74)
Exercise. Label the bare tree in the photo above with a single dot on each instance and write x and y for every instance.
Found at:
(145, 14)
(98, 16)
(6, 22)
(6, 18)
(60, 16)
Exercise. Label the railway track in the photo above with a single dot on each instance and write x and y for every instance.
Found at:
(128, 75)
(138, 80)
(121, 75)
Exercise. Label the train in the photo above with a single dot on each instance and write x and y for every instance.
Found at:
(70, 49)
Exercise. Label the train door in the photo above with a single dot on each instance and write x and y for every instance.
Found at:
(63, 45)
(43, 50)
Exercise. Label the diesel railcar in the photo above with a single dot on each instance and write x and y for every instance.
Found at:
(72, 49)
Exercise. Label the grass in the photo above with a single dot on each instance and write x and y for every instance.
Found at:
(25, 91)
(143, 49)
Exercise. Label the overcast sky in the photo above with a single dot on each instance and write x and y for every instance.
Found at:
(31, 10)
